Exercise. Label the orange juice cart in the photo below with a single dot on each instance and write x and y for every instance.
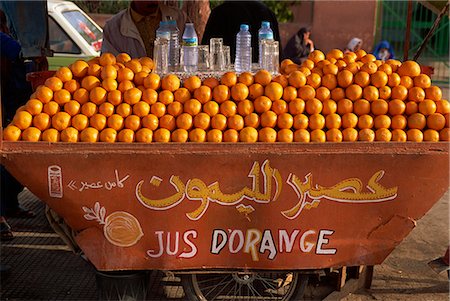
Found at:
(249, 219)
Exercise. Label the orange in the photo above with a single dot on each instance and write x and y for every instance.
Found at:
(302, 135)
(399, 122)
(81, 95)
(382, 121)
(167, 122)
(204, 94)
(289, 93)
(159, 109)
(285, 121)
(436, 121)
(398, 135)
(379, 107)
(318, 136)
(228, 79)
(431, 135)
(263, 77)
(349, 120)
(427, 107)
(313, 106)
(394, 80)
(334, 135)
(94, 70)
(11, 133)
(211, 82)
(150, 96)
(252, 120)
(330, 69)
(69, 134)
(300, 121)
(323, 93)
(297, 79)
(422, 81)
(255, 91)
(366, 134)
(399, 92)
(202, 121)
(235, 122)
(181, 95)
(192, 106)
(244, 107)
(379, 79)
(106, 109)
(152, 81)
(60, 121)
(108, 71)
(228, 108)
(308, 63)
(248, 134)
(353, 92)
(124, 109)
(221, 93)
(337, 94)
(107, 59)
(409, 68)
(386, 68)
(316, 56)
(44, 94)
(108, 135)
(344, 106)
(284, 64)
(125, 135)
(34, 106)
(72, 107)
(246, 78)
(383, 134)
(197, 135)
(54, 83)
(371, 93)
(411, 108)
(268, 119)
(219, 122)
(192, 83)
(109, 84)
(180, 135)
(31, 134)
(365, 122)
(79, 68)
(416, 94)
(165, 97)
(175, 108)
(394, 64)
(281, 79)
(92, 61)
(285, 135)
(350, 134)
(80, 122)
(414, 135)
(369, 67)
(333, 121)
(385, 92)
(297, 106)
(368, 58)
(71, 85)
(22, 120)
(134, 95)
(444, 134)
(316, 121)
(50, 135)
(279, 106)
(239, 92)
(133, 122)
(362, 79)
(89, 109)
(361, 107)
(97, 121)
(212, 108)
(125, 74)
(341, 64)
(406, 81)
(97, 95)
(150, 122)
(231, 135)
(417, 121)
(62, 96)
(306, 92)
(42, 121)
(335, 53)
(304, 70)
(146, 61)
(64, 74)
(344, 78)
(267, 134)
(214, 135)
(352, 67)
(396, 107)
(134, 65)
(433, 93)
(274, 91)
(262, 104)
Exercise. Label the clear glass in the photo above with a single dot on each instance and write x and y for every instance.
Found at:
(226, 57)
(216, 54)
(161, 56)
(270, 56)
(203, 58)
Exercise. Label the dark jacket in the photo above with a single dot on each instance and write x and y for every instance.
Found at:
(225, 20)
(296, 49)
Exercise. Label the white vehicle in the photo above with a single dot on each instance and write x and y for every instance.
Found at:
(73, 34)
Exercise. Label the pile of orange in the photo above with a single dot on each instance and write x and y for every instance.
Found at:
(333, 97)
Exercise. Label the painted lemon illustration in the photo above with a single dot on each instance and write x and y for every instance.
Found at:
(122, 229)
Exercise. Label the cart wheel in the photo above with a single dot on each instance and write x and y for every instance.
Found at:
(266, 285)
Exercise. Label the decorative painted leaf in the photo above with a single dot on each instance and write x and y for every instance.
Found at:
(90, 217)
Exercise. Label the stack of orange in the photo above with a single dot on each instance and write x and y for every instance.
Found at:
(334, 98)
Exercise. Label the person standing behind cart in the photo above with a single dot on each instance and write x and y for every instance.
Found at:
(299, 46)
(133, 30)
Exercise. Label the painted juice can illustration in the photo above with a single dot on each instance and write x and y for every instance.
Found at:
(55, 188)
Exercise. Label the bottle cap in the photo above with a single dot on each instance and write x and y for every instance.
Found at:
(244, 27)
(172, 22)
(265, 24)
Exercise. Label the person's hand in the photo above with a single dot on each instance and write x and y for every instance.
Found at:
(310, 43)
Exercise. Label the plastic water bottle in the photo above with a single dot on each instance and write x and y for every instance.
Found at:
(163, 31)
(174, 44)
(243, 60)
(264, 33)
(190, 50)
